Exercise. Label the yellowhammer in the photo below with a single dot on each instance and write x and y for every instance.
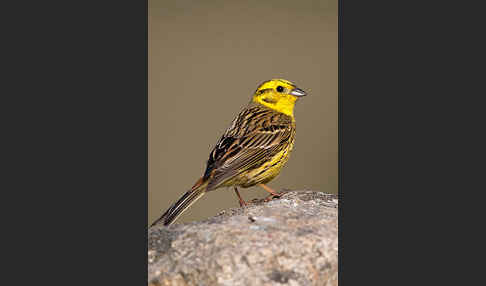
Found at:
(253, 149)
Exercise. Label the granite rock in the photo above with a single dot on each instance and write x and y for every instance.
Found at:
(291, 240)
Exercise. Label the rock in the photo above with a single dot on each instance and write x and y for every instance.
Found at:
(290, 240)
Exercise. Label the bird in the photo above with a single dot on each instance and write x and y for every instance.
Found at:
(252, 150)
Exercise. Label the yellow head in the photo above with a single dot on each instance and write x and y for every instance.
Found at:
(278, 94)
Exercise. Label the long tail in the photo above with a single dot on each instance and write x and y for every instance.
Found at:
(190, 197)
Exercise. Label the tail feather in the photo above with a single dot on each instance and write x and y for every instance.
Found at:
(190, 197)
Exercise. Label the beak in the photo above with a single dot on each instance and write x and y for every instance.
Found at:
(298, 92)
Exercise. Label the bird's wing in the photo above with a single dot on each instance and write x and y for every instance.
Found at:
(255, 136)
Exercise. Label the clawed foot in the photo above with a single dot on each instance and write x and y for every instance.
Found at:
(243, 204)
(273, 193)
(271, 197)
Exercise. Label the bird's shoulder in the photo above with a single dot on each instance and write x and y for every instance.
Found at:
(256, 118)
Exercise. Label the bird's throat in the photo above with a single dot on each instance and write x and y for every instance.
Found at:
(285, 106)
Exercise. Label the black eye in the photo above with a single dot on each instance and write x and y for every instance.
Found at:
(280, 88)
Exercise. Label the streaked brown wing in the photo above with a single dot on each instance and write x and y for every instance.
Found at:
(255, 136)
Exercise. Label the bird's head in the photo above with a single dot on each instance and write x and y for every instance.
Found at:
(278, 94)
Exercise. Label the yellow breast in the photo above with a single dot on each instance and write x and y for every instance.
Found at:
(267, 171)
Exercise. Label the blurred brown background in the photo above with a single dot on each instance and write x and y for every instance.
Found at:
(205, 60)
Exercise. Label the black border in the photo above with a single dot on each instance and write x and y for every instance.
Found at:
(403, 79)
(76, 112)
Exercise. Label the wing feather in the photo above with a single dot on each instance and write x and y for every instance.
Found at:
(255, 136)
